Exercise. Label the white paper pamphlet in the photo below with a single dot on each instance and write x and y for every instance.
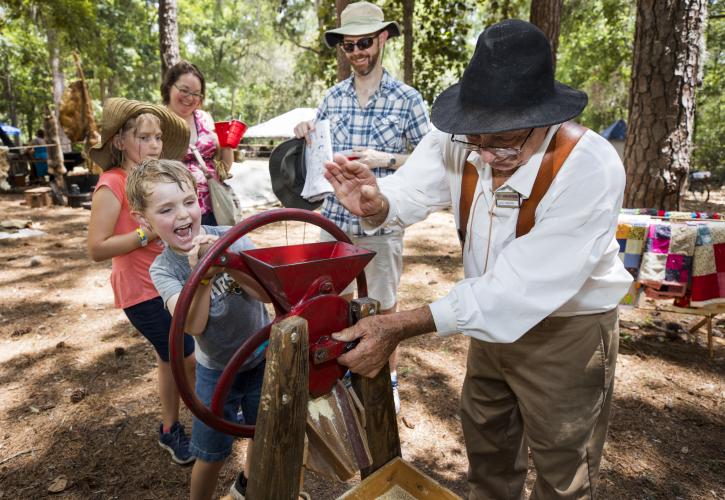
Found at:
(316, 154)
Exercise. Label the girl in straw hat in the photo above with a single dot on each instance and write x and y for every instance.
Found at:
(131, 132)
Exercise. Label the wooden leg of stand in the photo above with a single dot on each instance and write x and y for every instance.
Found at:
(381, 425)
(279, 438)
(693, 329)
(709, 336)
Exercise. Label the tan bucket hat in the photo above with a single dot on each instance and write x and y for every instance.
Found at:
(117, 111)
(360, 18)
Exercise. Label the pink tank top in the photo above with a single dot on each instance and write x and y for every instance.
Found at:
(130, 278)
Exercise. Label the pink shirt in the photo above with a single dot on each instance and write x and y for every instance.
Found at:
(206, 144)
(130, 278)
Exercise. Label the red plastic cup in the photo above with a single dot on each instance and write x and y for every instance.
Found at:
(230, 133)
(222, 131)
(236, 132)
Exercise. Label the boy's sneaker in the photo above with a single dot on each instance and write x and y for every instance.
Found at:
(176, 442)
(396, 396)
(239, 487)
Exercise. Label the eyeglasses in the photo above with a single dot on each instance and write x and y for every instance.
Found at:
(362, 44)
(185, 93)
(500, 153)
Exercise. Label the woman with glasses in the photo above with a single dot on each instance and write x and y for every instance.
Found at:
(182, 91)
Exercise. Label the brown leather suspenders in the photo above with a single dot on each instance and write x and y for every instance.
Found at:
(559, 148)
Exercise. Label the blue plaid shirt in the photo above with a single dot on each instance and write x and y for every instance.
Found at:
(394, 121)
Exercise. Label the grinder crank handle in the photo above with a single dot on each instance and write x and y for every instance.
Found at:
(327, 348)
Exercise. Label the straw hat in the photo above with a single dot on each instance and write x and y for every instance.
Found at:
(360, 18)
(117, 111)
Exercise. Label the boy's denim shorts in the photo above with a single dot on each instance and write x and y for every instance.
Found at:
(209, 444)
(154, 322)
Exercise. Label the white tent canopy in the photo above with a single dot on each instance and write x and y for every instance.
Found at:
(282, 125)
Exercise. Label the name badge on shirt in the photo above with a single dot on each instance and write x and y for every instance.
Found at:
(506, 197)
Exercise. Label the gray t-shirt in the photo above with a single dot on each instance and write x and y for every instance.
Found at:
(233, 315)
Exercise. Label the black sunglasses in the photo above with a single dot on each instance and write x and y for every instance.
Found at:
(362, 44)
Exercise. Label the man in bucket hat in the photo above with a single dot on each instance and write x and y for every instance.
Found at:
(376, 119)
(536, 200)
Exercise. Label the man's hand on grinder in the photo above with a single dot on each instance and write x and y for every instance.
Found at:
(356, 188)
(379, 335)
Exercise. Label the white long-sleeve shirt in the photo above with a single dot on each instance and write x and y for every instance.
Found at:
(566, 265)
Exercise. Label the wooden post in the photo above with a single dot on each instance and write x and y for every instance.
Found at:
(279, 438)
(709, 335)
(381, 425)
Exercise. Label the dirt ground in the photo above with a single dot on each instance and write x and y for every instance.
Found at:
(79, 412)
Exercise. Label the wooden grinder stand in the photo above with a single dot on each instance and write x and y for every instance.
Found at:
(301, 282)
(278, 451)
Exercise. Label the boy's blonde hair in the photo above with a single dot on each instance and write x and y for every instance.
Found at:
(150, 172)
(134, 123)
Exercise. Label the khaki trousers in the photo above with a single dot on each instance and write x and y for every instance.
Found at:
(550, 390)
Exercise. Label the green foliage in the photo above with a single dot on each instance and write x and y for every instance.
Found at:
(114, 39)
(710, 111)
(249, 68)
(262, 58)
(595, 55)
(304, 25)
(123, 58)
(26, 26)
(493, 11)
(440, 49)
(25, 87)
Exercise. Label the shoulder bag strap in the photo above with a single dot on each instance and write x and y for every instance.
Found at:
(200, 161)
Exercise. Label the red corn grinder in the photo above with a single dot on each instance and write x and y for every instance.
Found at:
(302, 280)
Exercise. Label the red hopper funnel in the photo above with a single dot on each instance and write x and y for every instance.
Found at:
(287, 272)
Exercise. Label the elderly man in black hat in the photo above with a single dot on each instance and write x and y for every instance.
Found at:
(536, 199)
(376, 119)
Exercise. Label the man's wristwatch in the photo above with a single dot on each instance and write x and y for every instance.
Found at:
(391, 161)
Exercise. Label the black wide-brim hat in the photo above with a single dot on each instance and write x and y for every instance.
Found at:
(508, 85)
(287, 170)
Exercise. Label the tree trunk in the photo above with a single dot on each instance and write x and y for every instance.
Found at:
(666, 66)
(58, 83)
(55, 153)
(168, 35)
(546, 14)
(30, 123)
(343, 66)
(10, 94)
(408, 8)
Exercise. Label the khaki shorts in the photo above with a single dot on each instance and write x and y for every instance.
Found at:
(384, 271)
